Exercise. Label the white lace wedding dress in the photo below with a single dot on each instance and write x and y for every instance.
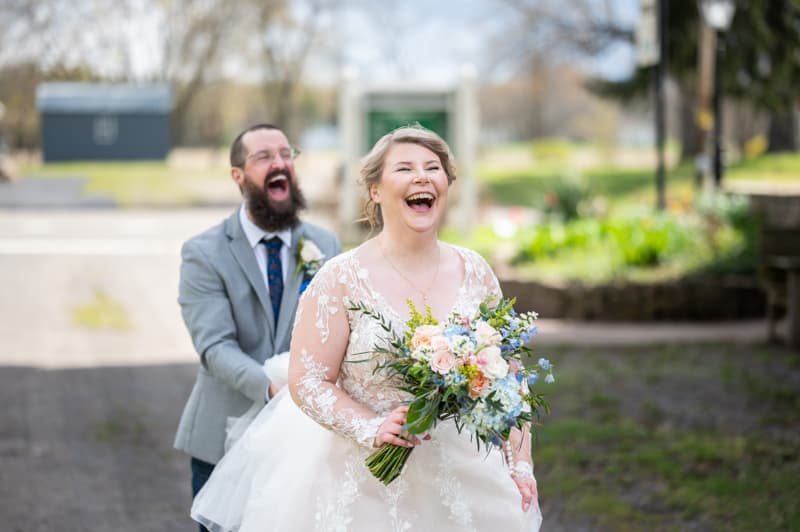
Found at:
(301, 468)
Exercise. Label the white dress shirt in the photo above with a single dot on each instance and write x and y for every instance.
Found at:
(254, 235)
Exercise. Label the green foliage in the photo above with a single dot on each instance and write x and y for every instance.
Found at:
(565, 197)
(417, 319)
(718, 238)
(759, 63)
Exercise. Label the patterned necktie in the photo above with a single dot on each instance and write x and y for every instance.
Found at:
(275, 274)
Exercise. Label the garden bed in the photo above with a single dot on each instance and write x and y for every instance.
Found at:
(695, 298)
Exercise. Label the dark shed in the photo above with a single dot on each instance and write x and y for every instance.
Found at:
(80, 121)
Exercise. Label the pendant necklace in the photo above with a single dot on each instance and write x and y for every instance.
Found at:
(423, 293)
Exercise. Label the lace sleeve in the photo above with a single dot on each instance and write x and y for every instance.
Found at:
(484, 274)
(518, 452)
(319, 341)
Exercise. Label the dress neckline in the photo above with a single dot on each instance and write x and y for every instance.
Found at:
(378, 295)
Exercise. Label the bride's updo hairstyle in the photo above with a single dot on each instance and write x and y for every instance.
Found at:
(372, 165)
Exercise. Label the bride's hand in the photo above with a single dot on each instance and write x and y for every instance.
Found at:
(391, 430)
(527, 488)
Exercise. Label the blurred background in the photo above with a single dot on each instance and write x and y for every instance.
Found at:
(630, 169)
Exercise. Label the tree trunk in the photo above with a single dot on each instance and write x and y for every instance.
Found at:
(690, 135)
(782, 134)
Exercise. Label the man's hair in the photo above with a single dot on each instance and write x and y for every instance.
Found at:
(238, 151)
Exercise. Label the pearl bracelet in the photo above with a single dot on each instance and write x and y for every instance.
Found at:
(521, 468)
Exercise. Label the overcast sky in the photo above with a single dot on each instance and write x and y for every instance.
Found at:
(418, 41)
(431, 41)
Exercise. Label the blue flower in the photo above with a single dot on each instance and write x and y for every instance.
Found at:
(532, 378)
(456, 330)
(544, 364)
(454, 377)
(549, 379)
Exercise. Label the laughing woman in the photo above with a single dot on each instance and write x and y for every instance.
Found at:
(300, 465)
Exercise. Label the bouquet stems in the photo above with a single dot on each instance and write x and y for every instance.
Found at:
(387, 462)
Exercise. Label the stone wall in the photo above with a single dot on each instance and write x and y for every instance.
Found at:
(708, 298)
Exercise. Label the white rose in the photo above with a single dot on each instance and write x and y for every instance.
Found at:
(485, 334)
(310, 252)
(442, 361)
(495, 366)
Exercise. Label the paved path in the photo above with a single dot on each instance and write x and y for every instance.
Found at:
(89, 412)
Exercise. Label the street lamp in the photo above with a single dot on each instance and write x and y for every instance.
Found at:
(718, 15)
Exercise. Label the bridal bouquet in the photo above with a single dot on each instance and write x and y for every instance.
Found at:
(469, 369)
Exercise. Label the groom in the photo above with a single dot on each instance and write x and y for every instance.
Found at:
(239, 286)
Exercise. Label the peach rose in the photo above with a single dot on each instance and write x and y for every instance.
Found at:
(424, 334)
(478, 385)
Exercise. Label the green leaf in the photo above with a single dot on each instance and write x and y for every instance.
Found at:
(421, 414)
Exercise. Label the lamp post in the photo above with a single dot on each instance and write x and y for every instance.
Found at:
(718, 15)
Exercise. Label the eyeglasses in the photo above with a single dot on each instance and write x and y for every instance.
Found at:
(268, 156)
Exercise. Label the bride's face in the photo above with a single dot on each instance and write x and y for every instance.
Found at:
(413, 188)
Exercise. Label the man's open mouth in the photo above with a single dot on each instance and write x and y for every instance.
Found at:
(278, 187)
(421, 201)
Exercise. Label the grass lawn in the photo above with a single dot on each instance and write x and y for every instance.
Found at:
(514, 174)
(524, 182)
(702, 437)
(133, 183)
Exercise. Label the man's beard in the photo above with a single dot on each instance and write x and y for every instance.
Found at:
(264, 213)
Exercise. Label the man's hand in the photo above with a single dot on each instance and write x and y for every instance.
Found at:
(273, 390)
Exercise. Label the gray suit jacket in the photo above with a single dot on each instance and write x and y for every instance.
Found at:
(226, 307)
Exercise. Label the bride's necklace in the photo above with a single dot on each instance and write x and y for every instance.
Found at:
(423, 293)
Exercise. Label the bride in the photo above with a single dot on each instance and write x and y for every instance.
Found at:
(300, 464)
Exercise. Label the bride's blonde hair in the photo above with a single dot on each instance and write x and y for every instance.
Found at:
(372, 164)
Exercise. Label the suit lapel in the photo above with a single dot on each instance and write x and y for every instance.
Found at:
(244, 255)
(291, 289)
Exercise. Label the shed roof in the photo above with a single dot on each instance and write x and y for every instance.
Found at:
(72, 97)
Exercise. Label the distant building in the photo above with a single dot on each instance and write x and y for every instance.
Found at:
(81, 121)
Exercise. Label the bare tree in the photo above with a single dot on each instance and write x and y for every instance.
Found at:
(193, 41)
(282, 36)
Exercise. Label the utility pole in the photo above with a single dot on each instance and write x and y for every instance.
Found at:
(661, 72)
(651, 51)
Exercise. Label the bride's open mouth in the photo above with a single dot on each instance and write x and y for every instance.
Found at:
(278, 188)
(421, 202)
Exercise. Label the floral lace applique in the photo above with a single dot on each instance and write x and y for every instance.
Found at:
(319, 403)
(326, 305)
(392, 495)
(333, 513)
(451, 490)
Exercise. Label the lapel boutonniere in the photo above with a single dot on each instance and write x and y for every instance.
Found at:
(309, 260)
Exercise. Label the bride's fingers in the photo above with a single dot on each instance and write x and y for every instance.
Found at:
(386, 437)
(526, 489)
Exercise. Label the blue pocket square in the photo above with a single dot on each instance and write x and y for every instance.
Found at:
(304, 285)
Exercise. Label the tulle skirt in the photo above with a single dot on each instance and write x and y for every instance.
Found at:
(287, 473)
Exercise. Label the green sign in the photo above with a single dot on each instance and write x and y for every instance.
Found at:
(380, 123)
